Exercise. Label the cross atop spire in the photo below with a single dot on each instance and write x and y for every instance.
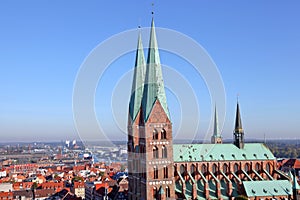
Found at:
(152, 12)
(138, 81)
(154, 84)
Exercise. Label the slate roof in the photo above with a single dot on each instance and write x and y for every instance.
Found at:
(220, 152)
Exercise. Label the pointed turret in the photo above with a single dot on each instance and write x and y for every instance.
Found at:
(138, 81)
(154, 85)
(216, 137)
(238, 122)
(238, 129)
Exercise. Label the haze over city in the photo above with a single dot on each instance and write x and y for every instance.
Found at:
(255, 46)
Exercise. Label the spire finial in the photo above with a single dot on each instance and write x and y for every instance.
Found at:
(237, 97)
(152, 12)
(139, 26)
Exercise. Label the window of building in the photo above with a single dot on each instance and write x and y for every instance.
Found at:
(163, 134)
(155, 152)
(236, 167)
(154, 192)
(257, 167)
(225, 168)
(182, 169)
(155, 135)
(214, 168)
(164, 152)
(193, 170)
(203, 169)
(167, 192)
(247, 167)
(268, 168)
(166, 172)
(155, 173)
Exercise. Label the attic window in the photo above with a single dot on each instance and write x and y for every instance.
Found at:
(222, 156)
(253, 191)
(266, 155)
(265, 191)
(254, 155)
(233, 155)
(244, 155)
(275, 190)
(180, 157)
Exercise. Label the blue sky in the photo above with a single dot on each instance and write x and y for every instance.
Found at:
(255, 45)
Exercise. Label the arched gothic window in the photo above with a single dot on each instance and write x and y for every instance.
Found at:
(155, 172)
(155, 135)
(155, 152)
(193, 170)
(166, 175)
(225, 168)
(154, 192)
(268, 168)
(182, 169)
(203, 169)
(163, 134)
(214, 168)
(236, 167)
(164, 151)
(257, 167)
(247, 167)
(167, 192)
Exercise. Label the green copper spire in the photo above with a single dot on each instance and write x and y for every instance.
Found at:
(138, 81)
(154, 84)
(216, 125)
(238, 122)
(216, 138)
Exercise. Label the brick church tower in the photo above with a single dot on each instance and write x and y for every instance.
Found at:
(150, 143)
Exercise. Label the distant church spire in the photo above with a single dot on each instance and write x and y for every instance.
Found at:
(154, 84)
(238, 129)
(216, 137)
(138, 81)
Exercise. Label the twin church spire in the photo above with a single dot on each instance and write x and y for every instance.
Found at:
(148, 85)
(138, 81)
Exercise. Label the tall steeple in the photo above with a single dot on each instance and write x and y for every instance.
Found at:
(154, 129)
(138, 81)
(154, 85)
(216, 137)
(238, 129)
(238, 122)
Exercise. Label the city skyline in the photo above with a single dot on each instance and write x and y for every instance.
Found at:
(44, 45)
